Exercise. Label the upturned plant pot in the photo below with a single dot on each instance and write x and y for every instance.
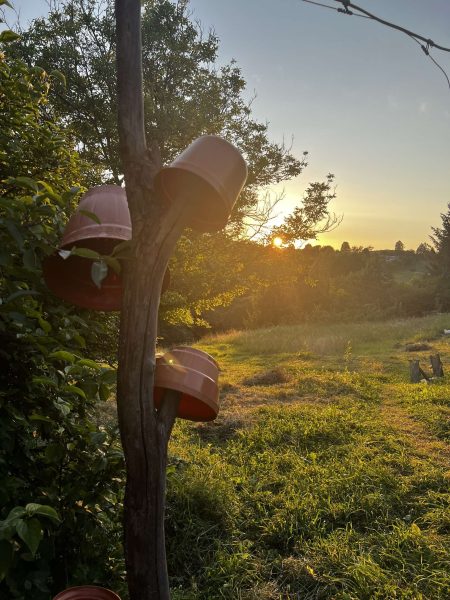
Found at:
(198, 352)
(70, 278)
(193, 359)
(87, 592)
(195, 376)
(209, 175)
(109, 204)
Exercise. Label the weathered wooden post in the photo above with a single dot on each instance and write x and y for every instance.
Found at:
(156, 229)
(157, 221)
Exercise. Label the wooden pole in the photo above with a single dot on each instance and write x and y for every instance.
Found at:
(156, 229)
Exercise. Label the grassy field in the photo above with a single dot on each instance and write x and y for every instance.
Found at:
(326, 474)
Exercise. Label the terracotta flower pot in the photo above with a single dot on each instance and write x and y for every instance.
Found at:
(195, 376)
(193, 359)
(199, 352)
(210, 175)
(86, 592)
(109, 204)
(70, 279)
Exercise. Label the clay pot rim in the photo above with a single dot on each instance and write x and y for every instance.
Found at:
(192, 360)
(195, 351)
(72, 593)
(164, 378)
(121, 233)
(103, 186)
(183, 369)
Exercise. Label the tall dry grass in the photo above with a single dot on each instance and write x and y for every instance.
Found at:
(371, 337)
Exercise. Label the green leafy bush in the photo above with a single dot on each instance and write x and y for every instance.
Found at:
(61, 473)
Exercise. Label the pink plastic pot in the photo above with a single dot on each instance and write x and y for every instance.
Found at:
(87, 592)
(210, 175)
(70, 279)
(195, 376)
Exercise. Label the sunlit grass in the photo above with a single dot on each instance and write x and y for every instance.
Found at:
(330, 339)
(326, 474)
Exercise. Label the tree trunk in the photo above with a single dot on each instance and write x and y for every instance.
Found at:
(144, 432)
(156, 227)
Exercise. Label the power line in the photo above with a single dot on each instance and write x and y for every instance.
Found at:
(417, 37)
(319, 4)
(439, 67)
(340, 10)
(428, 41)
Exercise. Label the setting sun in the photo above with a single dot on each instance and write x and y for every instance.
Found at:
(277, 242)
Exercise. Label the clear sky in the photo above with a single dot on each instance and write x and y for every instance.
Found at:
(363, 99)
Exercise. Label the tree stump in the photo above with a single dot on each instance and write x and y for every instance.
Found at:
(436, 365)
(416, 373)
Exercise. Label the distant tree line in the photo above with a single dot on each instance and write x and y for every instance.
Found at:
(318, 283)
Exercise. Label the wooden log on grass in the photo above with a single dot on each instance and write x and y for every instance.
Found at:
(436, 365)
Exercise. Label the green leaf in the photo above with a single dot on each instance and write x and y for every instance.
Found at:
(6, 556)
(8, 36)
(15, 233)
(37, 417)
(42, 510)
(109, 376)
(73, 389)
(68, 196)
(123, 249)
(15, 513)
(113, 263)
(44, 381)
(63, 355)
(44, 325)
(85, 253)
(59, 76)
(87, 362)
(50, 192)
(79, 339)
(104, 392)
(29, 258)
(90, 215)
(37, 70)
(99, 271)
(25, 182)
(31, 533)
(20, 293)
(98, 437)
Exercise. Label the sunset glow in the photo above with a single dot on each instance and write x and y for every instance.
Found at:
(277, 242)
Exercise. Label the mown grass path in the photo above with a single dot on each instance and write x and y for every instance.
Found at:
(421, 440)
